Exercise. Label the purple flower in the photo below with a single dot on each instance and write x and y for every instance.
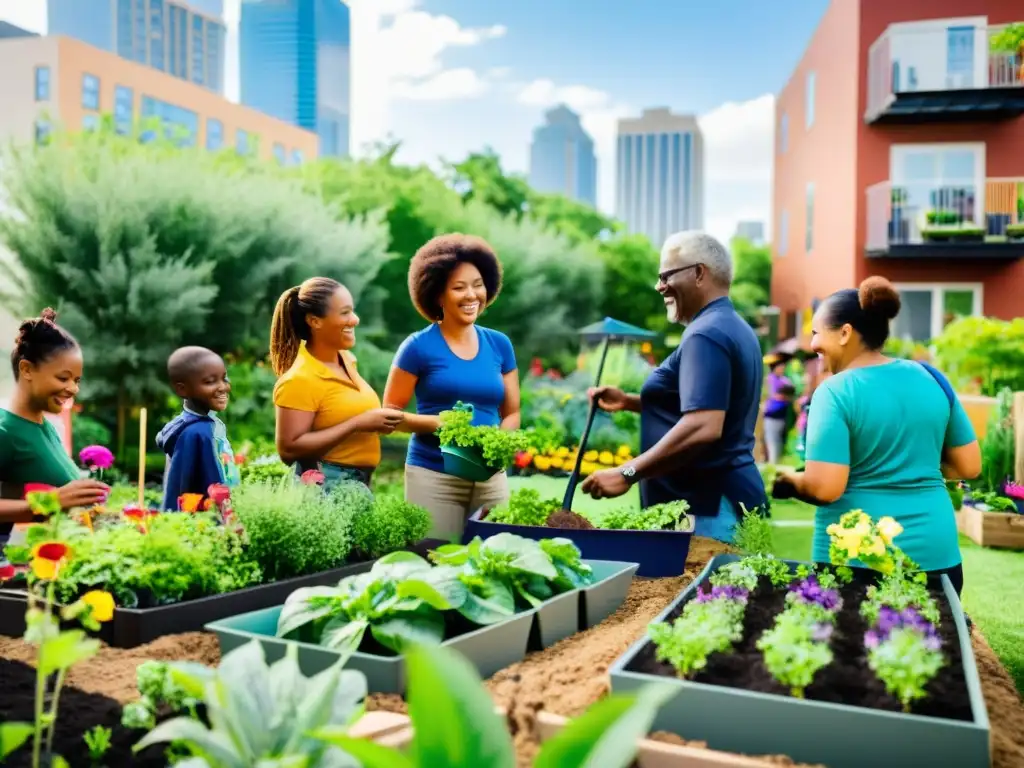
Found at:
(872, 639)
(722, 592)
(810, 592)
(909, 618)
(96, 457)
(822, 633)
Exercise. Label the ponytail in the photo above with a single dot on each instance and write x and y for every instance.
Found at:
(289, 327)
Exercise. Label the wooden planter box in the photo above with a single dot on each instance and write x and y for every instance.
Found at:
(1003, 530)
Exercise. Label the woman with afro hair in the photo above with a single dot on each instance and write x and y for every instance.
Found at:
(452, 279)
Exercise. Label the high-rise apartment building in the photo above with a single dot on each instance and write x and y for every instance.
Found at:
(660, 174)
(174, 36)
(751, 230)
(562, 157)
(295, 65)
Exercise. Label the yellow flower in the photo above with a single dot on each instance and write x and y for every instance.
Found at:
(606, 457)
(101, 603)
(833, 530)
(590, 456)
(620, 460)
(556, 463)
(47, 558)
(623, 450)
(588, 467)
(872, 545)
(532, 451)
(542, 463)
(849, 544)
(862, 528)
(562, 452)
(889, 529)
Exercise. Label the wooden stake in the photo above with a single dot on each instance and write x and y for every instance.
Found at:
(142, 458)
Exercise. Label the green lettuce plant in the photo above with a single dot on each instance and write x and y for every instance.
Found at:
(712, 622)
(388, 524)
(670, 516)
(525, 507)
(498, 447)
(745, 573)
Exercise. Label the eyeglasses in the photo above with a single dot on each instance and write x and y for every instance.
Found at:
(663, 277)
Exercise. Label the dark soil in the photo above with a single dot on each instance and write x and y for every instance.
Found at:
(79, 712)
(847, 680)
(568, 520)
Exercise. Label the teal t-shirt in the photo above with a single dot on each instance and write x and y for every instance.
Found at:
(889, 423)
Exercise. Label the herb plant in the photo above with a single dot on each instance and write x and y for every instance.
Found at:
(670, 516)
(525, 507)
(158, 692)
(263, 469)
(745, 573)
(796, 647)
(753, 534)
(388, 524)
(498, 447)
(97, 741)
(904, 651)
(710, 623)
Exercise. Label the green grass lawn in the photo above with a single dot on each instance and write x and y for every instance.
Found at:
(992, 578)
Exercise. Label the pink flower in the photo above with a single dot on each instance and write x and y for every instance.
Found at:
(312, 477)
(218, 493)
(1013, 490)
(7, 572)
(96, 457)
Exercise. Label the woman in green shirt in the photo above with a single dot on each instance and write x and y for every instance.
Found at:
(47, 366)
(882, 434)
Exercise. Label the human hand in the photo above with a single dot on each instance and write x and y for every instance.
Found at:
(610, 399)
(383, 421)
(785, 485)
(606, 484)
(82, 493)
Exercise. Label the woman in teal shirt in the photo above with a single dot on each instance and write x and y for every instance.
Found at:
(883, 435)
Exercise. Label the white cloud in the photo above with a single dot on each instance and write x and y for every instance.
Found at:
(447, 85)
(739, 140)
(27, 14)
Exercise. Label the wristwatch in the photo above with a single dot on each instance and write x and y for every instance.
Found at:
(629, 472)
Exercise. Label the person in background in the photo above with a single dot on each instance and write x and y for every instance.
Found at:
(328, 417)
(47, 365)
(196, 440)
(882, 434)
(777, 409)
(698, 409)
(452, 279)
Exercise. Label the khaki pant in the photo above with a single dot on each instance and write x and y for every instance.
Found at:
(451, 500)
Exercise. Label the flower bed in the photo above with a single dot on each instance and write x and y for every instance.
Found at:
(858, 659)
(559, 461)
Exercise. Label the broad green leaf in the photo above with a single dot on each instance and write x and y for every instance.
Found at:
(246, 696)
(215, 745)
(191, 676)
(442, 591)
(13, 735)
(56, 761)
(498, 605)
(525, 594)
(401, 557)
(370, 754)
(400, 570)
(606, 735)
(288, 689)
(398, 633)
(317, 708)
(65, 650)
(342, 635)
(297, 610)
(455, 722)
(192, 762)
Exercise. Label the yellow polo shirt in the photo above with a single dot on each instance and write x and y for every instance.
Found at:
(311, 386)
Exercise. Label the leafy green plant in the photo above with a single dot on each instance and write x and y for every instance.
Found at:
(157, 691)
(982, 354)
(389, 524)
(710, 623)
(498, 447)
(97, 741)
(525, 507)
(1010, 39)
(753, 535)
(293, 529)
(670, 516)
(796, 648)
(745, 573)
(994, 502)
(264, 468)
(999, 446)
(262, 714)
(400, 601)
(904, 651)
(455, 726)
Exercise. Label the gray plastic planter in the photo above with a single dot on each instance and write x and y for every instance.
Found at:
(555, 619)
(838, 735)
(602, 598)
(489, 648)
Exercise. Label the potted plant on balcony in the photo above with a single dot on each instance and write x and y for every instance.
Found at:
(945, 225)
(1011, 40)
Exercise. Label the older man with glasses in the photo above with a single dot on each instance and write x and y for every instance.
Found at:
(699, 407)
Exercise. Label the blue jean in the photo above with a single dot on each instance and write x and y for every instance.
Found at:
(720, 527)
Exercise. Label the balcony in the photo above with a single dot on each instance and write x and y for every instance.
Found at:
(933, 221)
(933, 71)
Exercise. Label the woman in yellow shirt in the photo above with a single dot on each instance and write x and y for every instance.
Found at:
(328, 417)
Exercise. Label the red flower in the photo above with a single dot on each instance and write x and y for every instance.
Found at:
(239, 459)
(7, 572)
(189, 502)
(219, 493)
(523, 459)
(38, 488)
(312, 477)
(133, 512)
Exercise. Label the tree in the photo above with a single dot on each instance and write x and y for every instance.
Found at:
(752, 278)
(630, 274)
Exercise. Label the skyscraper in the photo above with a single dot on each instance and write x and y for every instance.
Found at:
(562, 157)
(173, 36)
(751, 230)
(295, 65)
(659, 183)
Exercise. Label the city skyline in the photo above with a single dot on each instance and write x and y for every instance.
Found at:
(562, 157)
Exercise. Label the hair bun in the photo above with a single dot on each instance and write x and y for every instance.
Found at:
(49, 315)
(878, 296)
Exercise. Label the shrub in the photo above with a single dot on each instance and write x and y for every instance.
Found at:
(388, 524)
(293, 529)
(264, 468)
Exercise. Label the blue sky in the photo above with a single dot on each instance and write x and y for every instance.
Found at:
(450, 76)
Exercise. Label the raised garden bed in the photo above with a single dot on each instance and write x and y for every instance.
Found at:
(658, 553)
(846, 720)
(1002, 530)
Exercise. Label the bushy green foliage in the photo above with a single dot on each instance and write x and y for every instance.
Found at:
(982, 352)
(264, 468)
(388, 524)
(999, 447)
(525, 507)
(293, 529)
(670, 516)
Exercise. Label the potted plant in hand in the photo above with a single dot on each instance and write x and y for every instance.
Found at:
(476, 453)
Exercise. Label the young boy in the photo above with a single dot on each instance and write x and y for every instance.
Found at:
(196, 441)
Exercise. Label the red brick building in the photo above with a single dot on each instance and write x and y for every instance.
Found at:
(900, 152)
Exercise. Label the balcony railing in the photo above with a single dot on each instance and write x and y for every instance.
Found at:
(921, 213)
(906, 60)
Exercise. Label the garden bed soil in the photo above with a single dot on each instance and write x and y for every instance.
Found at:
(848, 679)
(564, 679)
(569, 520)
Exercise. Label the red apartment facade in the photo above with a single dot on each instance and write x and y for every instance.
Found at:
(900, 152)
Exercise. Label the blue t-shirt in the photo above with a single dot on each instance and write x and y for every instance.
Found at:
(443, 379)
(889, 424)
(716, 367)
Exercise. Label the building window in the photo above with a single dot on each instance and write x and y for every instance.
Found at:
(42, 83)
(124, 109)
(42, 128)
(90, 121)
(241, 142)
(809, 99)
(180, 125)
(297, 157)
(809, 233)
(782, 247)
(279, 153)
(784, 133)
(214, 134)
(90, 91)
(927, 308)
